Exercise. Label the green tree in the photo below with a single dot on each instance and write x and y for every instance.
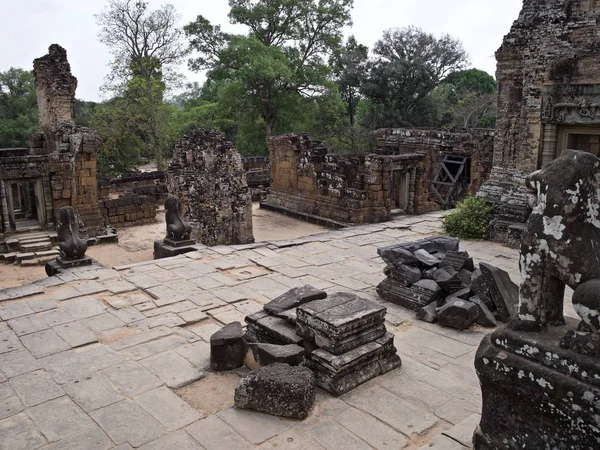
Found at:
(467, 99)
(349, 69)
(18, 107)
(146, 47)
(408, 64)
(283, 56)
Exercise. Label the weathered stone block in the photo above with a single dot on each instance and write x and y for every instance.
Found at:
(227, 347)
(503, 292)
(260, 355)
(458, 314)
(294, 298)
(279, 390)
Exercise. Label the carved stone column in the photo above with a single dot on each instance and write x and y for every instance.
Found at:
(550, 143)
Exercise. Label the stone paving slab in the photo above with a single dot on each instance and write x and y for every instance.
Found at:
(153, 323)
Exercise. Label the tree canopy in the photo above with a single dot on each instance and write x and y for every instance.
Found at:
(18, 107)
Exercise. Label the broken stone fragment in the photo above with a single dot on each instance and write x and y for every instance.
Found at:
(406, 275)
(260, 355)
(481, 289)
(428, 313)
(503, 292)
(395, 255)
(456, 260)
(485, 318)
(448, 280)
(465, 276)
(277, 389)
(227, 347)
(458, 314)
(426, 259)
(294, 298)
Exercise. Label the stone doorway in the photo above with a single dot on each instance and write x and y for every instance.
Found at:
(586, 139)
(399, 194)
(26, 204)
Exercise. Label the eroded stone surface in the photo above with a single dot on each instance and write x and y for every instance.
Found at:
(277, 389)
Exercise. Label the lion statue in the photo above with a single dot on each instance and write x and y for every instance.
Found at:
(177, 228)
(561, 244)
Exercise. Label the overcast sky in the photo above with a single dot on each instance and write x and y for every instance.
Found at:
(28, 27)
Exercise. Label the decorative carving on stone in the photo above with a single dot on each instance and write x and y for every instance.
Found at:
(571, 110)
(177, 228)
(71, 245)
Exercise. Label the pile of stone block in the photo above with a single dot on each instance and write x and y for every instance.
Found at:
(344, 336)
(439, 282)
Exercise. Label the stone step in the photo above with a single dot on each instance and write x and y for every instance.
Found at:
(43, 254)
(34, 240)
(24, 256)
(30, 262)
(9, 258)
(36, 247)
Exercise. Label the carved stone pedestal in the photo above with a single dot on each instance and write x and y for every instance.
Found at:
(166, 248)
(60, 264)
(536, 394)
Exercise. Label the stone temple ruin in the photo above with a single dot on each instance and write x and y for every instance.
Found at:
(208, 176)
(549, 95)
(412, 172)
(59, 167)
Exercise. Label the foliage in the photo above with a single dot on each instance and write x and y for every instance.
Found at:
(146, 45)
(84, 111)
(470, 220)
(467, 99)
(136, 35)
(409, 63)
(18, 107)
(283, 57)
(349, 68)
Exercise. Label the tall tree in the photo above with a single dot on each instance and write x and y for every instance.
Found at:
(467, 99)
(146, 46)
(349, 65)
(284, 53)
(18, 107)
(408, 64)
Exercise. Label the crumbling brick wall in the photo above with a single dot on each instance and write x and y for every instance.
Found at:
(307, 179)
(207, 175)
(476, 144)
(153, 184)
(549, 62)
(127, 211)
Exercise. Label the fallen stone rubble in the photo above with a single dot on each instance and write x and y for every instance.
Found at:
(442, 284)
(344, 336)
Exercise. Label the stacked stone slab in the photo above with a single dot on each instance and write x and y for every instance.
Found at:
(352, 342)
(439, 282)
(344, 336)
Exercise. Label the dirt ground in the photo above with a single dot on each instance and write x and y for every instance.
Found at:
(136, 244)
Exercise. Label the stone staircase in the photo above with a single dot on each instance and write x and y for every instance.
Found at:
(29, 249)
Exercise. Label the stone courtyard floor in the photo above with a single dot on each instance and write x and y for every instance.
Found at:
(104, 358)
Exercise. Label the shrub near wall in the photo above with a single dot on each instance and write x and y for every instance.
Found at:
(470, 220)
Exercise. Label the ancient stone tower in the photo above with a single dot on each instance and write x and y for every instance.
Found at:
(55, 88)
(208, 176)
(549, 100)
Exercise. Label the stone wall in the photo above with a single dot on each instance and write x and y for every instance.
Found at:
(548, 76)
(207, 175)
(127, 211)
(476, 144)
(307, 179)
(152, 184)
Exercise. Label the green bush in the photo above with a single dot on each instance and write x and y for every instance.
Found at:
(470, 220)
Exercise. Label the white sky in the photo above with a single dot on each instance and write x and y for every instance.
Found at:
(28, 27)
